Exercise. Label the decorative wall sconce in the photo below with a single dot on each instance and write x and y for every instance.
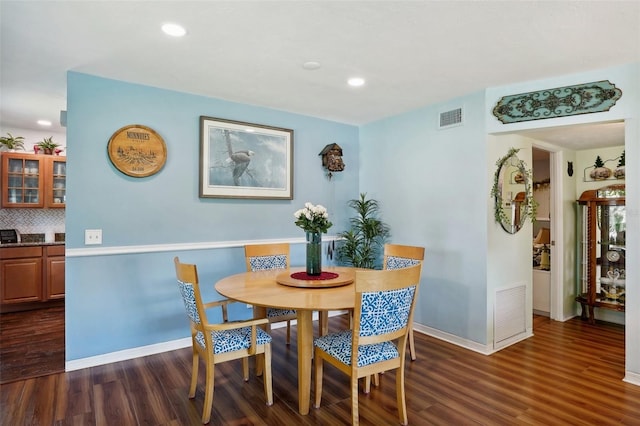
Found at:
(332, 159)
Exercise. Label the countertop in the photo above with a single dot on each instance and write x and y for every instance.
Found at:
(35, 240)
(32, 244)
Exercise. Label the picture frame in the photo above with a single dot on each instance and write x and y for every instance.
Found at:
(245, 160)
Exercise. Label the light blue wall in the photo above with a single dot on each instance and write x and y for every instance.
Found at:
(126, 300)
(433, 191)
(433, 186)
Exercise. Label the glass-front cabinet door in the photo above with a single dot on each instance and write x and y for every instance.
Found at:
(22, 181)
(33, 181)
(602, 254)
(57, 195)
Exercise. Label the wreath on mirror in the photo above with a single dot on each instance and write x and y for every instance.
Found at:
(530, 205)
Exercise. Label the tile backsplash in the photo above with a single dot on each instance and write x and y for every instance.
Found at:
(34, 221)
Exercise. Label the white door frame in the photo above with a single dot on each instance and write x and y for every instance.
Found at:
(556, 309)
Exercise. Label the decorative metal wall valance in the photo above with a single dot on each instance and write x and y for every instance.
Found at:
(584, 98)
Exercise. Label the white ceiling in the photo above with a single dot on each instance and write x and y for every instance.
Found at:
(412, 53)
(580, 136)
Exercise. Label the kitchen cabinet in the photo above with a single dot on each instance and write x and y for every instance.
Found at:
(54, 283)
(20, 274)
(31, 275)
(602, 254)
(33, 181)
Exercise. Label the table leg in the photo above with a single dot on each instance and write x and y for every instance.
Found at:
(305, 352)
(323, 323)
(260, 312)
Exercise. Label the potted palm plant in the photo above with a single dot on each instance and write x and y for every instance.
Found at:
(11, 143)
(361, 246)
(47, 145)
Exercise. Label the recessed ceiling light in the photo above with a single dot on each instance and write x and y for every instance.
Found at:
(174, 30)
(356, 81)
(44, 122)
(311, 65)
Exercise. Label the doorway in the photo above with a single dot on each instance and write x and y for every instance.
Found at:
(563, 145)
(542, 241)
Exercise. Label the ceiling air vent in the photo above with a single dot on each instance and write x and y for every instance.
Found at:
(450, 118)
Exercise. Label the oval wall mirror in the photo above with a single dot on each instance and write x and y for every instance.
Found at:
(512, 191)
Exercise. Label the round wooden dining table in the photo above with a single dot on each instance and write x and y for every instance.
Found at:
(277, 289)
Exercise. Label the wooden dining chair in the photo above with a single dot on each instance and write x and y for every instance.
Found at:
(216, 343)
(384, 304)
(260, 257)
(397, 256)
(400, 256)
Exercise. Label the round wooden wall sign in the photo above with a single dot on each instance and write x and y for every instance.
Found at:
(137, 151)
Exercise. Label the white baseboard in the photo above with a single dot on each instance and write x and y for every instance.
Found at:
(456, 340)
(94, 361)
(141, 351)
(631, 377)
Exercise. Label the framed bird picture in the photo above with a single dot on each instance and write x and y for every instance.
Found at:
(245, 160)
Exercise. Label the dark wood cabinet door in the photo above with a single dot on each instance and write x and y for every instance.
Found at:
(21, 280)
(55, 277)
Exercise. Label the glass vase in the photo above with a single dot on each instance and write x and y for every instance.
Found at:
(314, 253)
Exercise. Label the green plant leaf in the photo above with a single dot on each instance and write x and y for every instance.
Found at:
(361, 246)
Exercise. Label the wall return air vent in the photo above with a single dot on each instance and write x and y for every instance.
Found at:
(450, 118)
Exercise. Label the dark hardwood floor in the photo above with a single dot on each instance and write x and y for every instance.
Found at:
(567, 374)
(31, 343)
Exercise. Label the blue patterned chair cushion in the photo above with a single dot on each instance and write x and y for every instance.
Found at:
(394, 262)
(261, 263)
(189, 299)
(273, 312)
(338, 345)
(223, 341)
(385, 311)
(382, 312)
(233, 340)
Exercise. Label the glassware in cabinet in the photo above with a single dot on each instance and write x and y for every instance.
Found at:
(58, 193)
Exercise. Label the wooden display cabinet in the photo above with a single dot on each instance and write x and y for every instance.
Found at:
(602, 255)
(33, 181)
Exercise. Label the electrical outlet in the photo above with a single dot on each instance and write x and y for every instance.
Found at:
(92, 236)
